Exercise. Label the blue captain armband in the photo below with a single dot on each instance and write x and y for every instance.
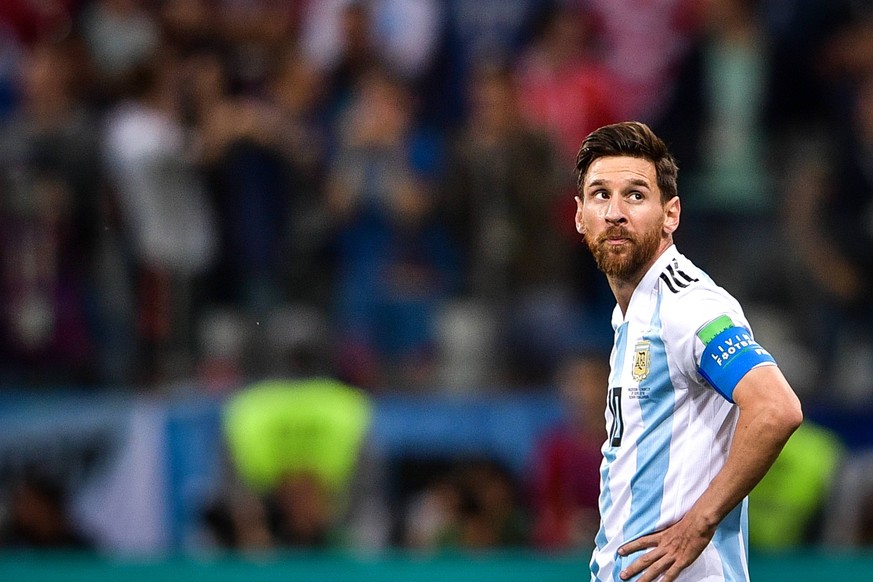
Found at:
(727, 358)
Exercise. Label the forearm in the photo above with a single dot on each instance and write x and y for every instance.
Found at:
(757, 442)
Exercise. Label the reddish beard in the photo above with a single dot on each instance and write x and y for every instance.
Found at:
(624, 261)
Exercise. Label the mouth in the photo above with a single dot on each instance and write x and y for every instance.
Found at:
(617, 246)
(616, 240)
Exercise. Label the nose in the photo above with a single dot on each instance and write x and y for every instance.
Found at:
(615, 211)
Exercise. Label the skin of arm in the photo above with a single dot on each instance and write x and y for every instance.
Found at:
(769, 413)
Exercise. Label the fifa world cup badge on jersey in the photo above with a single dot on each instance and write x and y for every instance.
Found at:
(642, 360)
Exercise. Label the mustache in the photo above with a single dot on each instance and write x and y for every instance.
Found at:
(615, 232)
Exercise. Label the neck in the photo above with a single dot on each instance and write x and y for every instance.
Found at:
(623, 287)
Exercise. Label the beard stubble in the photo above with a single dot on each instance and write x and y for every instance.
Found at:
(625, 261)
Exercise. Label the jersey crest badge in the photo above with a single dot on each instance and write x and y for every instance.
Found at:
(642, 360)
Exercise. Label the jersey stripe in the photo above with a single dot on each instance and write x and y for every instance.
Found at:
(656, 401)
(728, 542)
(685, 275)
(666, 280)
(605, 501)
(676, 280)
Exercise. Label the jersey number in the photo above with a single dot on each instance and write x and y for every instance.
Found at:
(617, 421)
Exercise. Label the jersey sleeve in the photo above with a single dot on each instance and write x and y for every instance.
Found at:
(716, 341)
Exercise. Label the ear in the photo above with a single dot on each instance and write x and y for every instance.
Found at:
(580, 226)
(672, 212)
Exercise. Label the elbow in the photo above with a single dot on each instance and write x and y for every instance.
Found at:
(794, 418)
(786, 417)
(777, 418)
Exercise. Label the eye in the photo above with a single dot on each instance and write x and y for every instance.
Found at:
(600, 194)
(636, 195)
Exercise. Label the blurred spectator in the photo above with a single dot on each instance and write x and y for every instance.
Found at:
(48, 152)
(122, 36)
(263, 138)
(501, 192)
(303, 472)
(408, 33)
(565, 481)
(263, 157)
(346, 38)
(562, 88)
(479, 31)
(338, 39)
(806, 57)
(36, 22)
(832, 237)
(259, 27)
(162, 201)
(848, 518)
(642, 43)
(403, 33)
(475, 506)
(36, 517)
(715, 125)
(297, 512)
(297, 91)
(396, 264)
(252, 36)
(431, 512)
(24, 24)
(849, 52)
(189, 25)
(490, 513)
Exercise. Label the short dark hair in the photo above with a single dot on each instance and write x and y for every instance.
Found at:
(629, 138)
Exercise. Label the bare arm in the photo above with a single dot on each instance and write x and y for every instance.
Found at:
(769, 413)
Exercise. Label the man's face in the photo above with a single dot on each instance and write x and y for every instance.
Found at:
(621, 215)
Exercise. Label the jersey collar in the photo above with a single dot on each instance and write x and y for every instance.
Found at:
(646, 284)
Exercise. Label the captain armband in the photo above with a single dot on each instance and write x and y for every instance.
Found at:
(728, 356)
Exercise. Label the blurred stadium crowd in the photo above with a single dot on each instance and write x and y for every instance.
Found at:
(211, 192)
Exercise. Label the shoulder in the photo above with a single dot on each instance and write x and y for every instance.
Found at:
(690, 300)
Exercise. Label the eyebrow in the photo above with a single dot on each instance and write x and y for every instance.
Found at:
(632, 181)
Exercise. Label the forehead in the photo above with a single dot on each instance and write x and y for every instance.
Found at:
(619, 169)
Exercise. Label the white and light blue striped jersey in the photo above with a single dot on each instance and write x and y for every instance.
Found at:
(679, 351)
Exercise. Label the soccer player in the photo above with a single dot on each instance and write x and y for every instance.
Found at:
(697, 411)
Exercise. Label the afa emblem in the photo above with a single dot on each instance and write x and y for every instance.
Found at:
(642, 360)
